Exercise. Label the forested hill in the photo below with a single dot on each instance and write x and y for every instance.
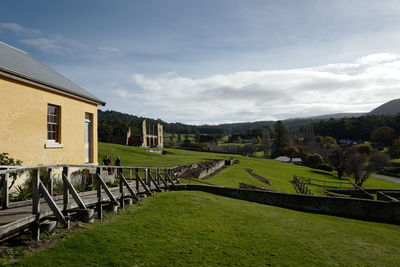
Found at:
(113, 123)
(116, 124)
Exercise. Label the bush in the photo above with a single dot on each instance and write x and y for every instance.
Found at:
(313, 160)
(363, 149)
(325, 167)
(5, 159)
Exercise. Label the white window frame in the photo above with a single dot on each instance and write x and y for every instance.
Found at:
(54, 143)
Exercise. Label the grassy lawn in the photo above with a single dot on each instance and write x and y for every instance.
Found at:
(395, 161)
(199, 229)
(278, 173)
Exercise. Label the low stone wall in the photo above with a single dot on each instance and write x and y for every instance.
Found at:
(218, 164)
(364, 209)
(199, 170)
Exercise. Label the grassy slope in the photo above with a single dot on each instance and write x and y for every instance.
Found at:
(278, 173)
(198, 229)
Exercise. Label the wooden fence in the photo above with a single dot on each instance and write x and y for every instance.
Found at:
(133, 182)
(303, 184)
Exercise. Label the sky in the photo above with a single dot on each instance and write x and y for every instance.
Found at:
(217, 61)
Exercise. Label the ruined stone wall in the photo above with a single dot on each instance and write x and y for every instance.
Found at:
(152, 137)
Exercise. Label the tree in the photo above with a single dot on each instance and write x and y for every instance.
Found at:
(395, 149)
(266, 140)
(258, 140)
(281, 135)
(327, 142)
(291, 151)
(356, 167)
(383, 136)
(338, 158)
(360, 165)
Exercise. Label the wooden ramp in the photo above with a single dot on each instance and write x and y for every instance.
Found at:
(17, 217)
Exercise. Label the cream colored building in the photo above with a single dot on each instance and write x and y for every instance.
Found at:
(44, 117)
(152, 135)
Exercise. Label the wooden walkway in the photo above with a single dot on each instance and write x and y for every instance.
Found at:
(20, 216)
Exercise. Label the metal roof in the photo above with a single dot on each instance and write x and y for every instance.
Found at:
(21, 64)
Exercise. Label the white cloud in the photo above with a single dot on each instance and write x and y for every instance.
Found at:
(18, 29)
(357, 86)
(53, 43)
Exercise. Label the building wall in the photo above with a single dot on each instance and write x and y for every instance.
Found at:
(150, 137)
(160, 133)
(23, 124)
(144, 134)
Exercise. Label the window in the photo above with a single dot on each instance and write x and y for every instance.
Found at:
(53, 123)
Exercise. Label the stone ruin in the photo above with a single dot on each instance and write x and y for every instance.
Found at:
(152, 135)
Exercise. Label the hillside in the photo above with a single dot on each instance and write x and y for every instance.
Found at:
(199, 229)
(389, 108)
(278, 173)
(335, 116)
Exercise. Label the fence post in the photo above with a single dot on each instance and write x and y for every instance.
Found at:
(137, 180)
(6, 192)
(121, 189)
(51, 182)
(99, 199)
(65, 190)
(36, 204)
(146, 178)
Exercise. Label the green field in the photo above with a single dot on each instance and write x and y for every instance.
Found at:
(278, 173)
(199, 229)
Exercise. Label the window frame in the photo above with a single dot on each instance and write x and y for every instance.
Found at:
(56, 141)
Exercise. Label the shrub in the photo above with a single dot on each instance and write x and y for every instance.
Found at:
(313, 160)
(325, 167)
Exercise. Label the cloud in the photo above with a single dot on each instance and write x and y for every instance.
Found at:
(357, 86)
(52, 43)
(17, 29)
(45, 45)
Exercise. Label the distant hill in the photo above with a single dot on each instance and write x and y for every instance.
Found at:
(334, 116)
(390, 108)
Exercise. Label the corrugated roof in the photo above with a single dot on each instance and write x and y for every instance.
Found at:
(19, 63)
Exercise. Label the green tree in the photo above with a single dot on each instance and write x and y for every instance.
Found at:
(281, 135)
(291, 151)
(360, 165)
(383, 136)
(395, 149)
(338, 158)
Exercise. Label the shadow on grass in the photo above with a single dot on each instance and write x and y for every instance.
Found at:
(325, 173)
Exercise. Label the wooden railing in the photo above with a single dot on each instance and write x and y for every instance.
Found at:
(132, 181)
(303, 184)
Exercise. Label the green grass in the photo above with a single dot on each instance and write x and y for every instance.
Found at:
(278, 173)
(395, 160)
(199, 229)
(235, 144)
